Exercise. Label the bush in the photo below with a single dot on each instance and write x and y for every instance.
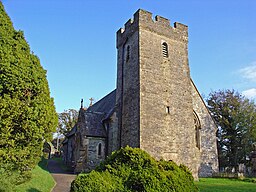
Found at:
(10, 177)
(7, 181)
(97, 182)
(131, 170)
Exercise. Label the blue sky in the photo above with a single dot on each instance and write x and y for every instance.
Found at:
(75, 41)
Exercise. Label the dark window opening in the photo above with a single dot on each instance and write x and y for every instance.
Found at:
(128, 53)
(197, 131)
(99, 149)
(168, 109)
(107, 125)
(165, 50)
(198, 144)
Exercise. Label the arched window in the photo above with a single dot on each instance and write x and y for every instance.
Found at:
(165, 49)
(99, 149)
(127, 53)
(197, 130)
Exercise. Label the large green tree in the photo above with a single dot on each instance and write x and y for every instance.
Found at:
(67, 120)
(27, 112)
(235, 116)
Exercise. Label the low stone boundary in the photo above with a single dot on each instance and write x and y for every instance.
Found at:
(228, 175)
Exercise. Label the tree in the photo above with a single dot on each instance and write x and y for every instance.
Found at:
(27, 112)
(67, 120)
(235, 117)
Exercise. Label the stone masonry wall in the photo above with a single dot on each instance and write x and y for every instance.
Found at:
(112, 127)
(208, 149)
(165, 82)
(93, 159)
(128, 85)
(148, 84)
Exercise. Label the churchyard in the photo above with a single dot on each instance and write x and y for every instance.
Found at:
(213, 140)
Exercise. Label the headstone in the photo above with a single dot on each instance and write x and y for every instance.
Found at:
(253, 159)
(241, 168)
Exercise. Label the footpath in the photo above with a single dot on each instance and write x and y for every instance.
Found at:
(62, 178)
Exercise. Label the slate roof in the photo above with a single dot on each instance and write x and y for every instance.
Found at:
(105, 104)
(94, 126)
(96, 113)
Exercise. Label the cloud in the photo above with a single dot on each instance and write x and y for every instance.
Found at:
(250, 93)
(249, 72)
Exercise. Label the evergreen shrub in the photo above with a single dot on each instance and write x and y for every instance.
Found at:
(132, 169)
(7, 181)
(27, 112)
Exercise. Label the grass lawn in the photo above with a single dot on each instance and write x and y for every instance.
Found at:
(41, 181)
(225, 185)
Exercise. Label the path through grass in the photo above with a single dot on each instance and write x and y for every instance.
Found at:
(225, 185)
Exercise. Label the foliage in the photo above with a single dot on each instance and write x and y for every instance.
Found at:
(224, 185)
(57, 142)
(236, 120)
(7, 181)
(132, 169)
(249, 179)
(41, 179)
(97, 182)
(67, 120)
(27, 113)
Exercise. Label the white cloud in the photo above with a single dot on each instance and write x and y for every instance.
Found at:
(250, 93)
(249, 72)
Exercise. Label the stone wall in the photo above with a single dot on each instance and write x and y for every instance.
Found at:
(93, 157)
(165, 95)
(154, 93)
(208, 149)
(128, 84)
(112, 129)
(80, 151)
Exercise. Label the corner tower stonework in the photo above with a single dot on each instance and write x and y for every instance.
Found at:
(154, 99)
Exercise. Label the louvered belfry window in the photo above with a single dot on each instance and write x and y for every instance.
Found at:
(165, 50)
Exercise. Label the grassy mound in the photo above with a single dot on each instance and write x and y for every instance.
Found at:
(131, 170)
(41, 179)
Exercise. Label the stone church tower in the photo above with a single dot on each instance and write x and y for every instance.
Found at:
(155, 106)
(154, 89)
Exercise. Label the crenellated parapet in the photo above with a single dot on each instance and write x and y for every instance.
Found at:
(144, 19)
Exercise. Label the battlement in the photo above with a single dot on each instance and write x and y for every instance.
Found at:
(158, 24)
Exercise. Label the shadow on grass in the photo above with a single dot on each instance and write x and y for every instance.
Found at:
(33, 190)
(43, 164)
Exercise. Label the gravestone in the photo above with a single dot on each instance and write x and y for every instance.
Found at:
(253, 160)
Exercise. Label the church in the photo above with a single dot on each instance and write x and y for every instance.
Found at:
(155, 106)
